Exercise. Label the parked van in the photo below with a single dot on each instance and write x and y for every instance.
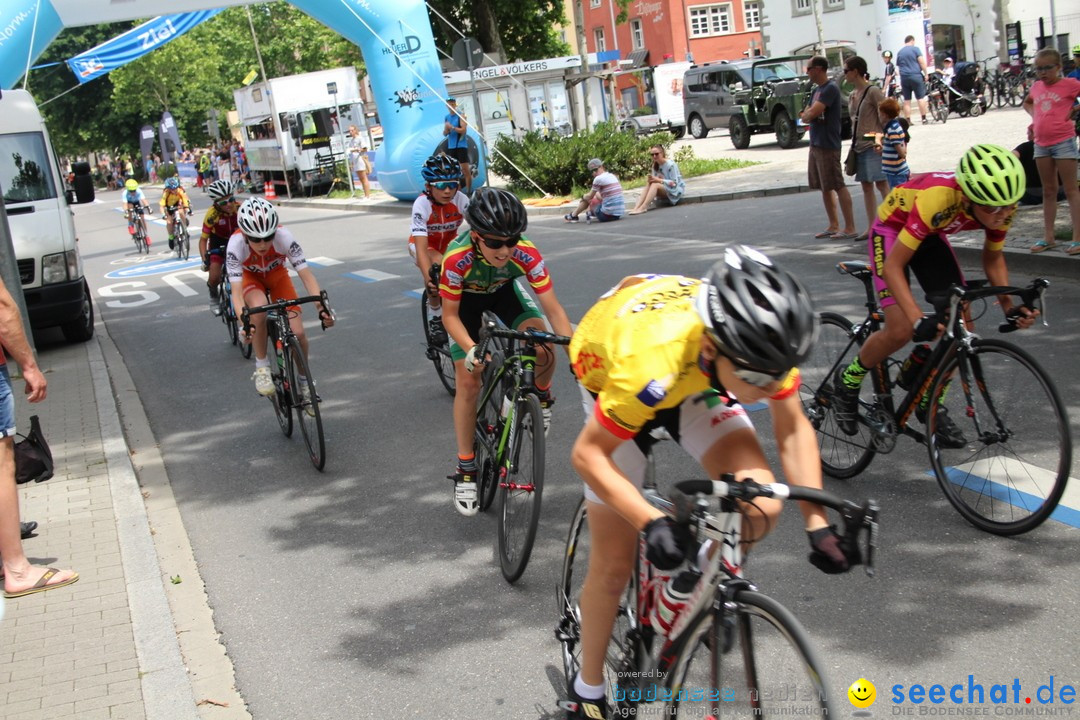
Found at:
(709, 96)
(42, 224)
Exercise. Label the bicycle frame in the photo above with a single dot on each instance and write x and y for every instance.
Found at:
(520, 365)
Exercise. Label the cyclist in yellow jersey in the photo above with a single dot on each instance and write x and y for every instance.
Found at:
(174, 205)
(910, 235)
(682, 354)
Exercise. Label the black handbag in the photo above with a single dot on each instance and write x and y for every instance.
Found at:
(33, 458)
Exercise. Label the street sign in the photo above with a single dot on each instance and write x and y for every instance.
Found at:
(467, 53)
(331, 88)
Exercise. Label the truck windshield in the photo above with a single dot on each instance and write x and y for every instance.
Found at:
(24, 168)
(775, 72)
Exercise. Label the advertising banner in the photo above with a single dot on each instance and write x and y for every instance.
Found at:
(21, 20)
(133, 44)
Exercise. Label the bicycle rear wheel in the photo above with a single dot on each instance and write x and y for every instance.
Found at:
(521, 489)
(1014, 465)
(620, 650)
(280, 398)
(438, 350)
(842, 455)
(183, 241)
(306, 402)
(771, 670)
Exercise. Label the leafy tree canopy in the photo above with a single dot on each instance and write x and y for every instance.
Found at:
(515, 29)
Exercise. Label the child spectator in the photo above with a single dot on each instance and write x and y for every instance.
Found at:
(892, 143)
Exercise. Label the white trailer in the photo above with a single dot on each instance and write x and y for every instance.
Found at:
(294, 126)
(667, 89)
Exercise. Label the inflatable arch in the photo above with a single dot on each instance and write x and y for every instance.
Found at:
(394, 37)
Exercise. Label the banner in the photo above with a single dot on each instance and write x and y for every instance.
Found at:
(133, 44)
(168, 138)
(21, 20)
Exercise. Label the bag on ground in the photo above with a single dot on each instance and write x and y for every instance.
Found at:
(33, 458)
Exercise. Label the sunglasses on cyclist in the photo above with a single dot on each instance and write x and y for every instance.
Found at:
(996, 209)
(494, 244)
(446, 185)
(253, 240)
(756, 378)
(225, 201)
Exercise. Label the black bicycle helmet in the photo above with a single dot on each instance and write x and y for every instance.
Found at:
(441, 167)
(496, 212)
(759, 316)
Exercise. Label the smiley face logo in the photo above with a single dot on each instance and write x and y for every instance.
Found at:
(862, 693)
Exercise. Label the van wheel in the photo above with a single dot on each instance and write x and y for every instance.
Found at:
(786, 134)
(739, 132)
(697, 127)
(678, 131)
(81, 328)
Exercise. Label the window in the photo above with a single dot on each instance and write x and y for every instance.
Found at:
(834, 5)
(708, 20)
(24, 168)
(752, 15)
(800, 7)
(594, 3)
(637, 35)
(598, 39)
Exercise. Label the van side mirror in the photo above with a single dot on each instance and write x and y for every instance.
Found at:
(737, 86)
(69, 195)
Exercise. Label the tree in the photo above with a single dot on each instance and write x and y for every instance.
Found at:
(510, 29)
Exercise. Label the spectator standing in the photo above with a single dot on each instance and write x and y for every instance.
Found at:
(20, 577)
(1075, 73)
(890, 78)
(863, 105)
(358, 157)
(129, 170)
(892, 144)
(604, 202)
(457, 143)
(912, 66)
(1050, 102)
(664, 183)
(825, 174)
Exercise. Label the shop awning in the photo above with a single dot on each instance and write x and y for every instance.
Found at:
(636, 59)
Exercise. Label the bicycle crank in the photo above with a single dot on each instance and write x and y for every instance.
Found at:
(882, 429)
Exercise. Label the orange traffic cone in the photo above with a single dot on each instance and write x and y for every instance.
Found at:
(268, 191)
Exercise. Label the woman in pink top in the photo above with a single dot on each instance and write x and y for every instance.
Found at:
(1052, 105)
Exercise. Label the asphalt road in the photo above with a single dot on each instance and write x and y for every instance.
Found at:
(359, 592)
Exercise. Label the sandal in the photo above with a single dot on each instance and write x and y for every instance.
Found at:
(1072, 248)
(1042, 246)
(825, 234)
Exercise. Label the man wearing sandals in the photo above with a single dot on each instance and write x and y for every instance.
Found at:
(20, 577)
(823, 117)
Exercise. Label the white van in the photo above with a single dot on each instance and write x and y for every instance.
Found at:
(42, 224)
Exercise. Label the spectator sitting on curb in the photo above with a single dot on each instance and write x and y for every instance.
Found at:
(20, 577)
(604, 202)
(665, 182)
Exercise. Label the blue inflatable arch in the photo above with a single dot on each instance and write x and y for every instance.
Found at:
(394, 37)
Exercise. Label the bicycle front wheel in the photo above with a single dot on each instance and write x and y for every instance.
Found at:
(522, 489)
(1011, 469)
(842, 455)
(770, 670)
(438, 349)
(306, 402)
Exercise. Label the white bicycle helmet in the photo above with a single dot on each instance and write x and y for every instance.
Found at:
(221, 189)
(257, 218)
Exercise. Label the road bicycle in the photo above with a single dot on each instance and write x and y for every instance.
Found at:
(181, 237)
(730, 649)
(437, 341)
(138, 226)
(509, 438)
(938, 104)
(1010, 470)
(294, 385)
(228, 316)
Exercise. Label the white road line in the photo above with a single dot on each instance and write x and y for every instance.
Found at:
(370, 275)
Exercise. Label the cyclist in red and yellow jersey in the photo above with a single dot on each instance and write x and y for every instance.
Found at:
(436, 217)
(218, 226)
(682, 354)
(174, 204)
(911, 234)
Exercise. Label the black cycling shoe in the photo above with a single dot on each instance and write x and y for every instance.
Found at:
(947, 433)
(579, 709)
(845, 404)
(437, 332)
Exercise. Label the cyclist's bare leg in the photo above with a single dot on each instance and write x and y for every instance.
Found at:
(740, 453)
(296, 322)
(894, 335)
(215, 273)
(613, 543)
(255, 297)
(170, 223)
(468, 389)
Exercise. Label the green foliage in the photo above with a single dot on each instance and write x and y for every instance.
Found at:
(683, 155)
(521, 29)
(166, 170)
(558, 164)
(643, 110)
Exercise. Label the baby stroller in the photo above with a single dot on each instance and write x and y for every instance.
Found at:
(954, 97)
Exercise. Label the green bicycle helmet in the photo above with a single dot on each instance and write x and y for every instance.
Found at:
(991, 175)
(1076, 49)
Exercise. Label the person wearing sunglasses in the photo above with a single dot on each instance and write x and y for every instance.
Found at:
(436, 217)
(604, 202)
(685, 354)
(664, 183)
(257, 261)
(218, 226)
(1051, 102)
(478, 273)
(911, 235)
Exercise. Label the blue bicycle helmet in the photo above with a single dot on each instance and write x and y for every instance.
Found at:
(172, 183)
(441, 167)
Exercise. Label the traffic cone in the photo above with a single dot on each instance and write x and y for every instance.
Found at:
(268, 191)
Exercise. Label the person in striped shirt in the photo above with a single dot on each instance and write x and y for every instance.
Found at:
(892, 144)
(604, 202)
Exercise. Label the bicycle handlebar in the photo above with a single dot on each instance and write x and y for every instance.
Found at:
(684, 502)
(529, 335)
(321, 298)
(1031, 297)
